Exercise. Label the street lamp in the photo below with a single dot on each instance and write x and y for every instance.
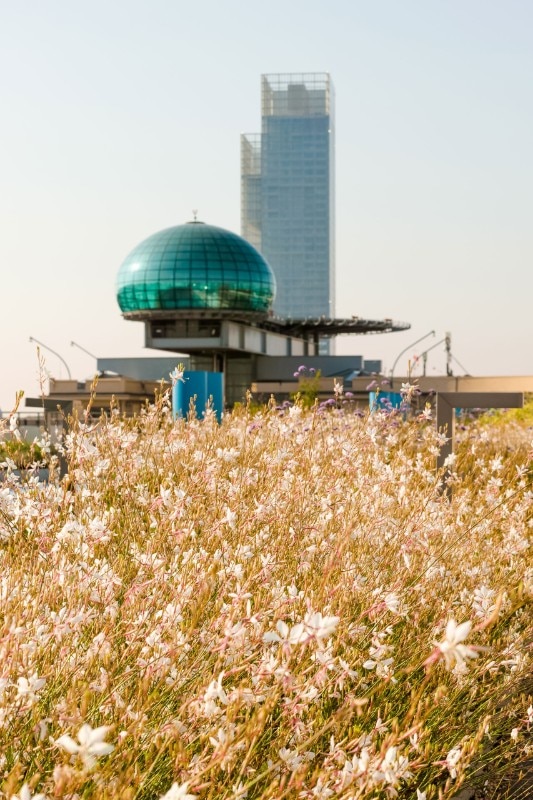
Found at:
(75, 344)
(425, 336)
(32, 339)
(433, 346)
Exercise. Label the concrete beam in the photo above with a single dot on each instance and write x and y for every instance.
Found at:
(447, 402)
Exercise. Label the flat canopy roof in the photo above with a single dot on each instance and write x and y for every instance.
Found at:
(327, 326)
(307, 328)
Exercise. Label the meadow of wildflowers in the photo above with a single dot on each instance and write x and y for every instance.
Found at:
(287, 605)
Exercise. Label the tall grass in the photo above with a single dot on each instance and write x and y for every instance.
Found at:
(288, 605)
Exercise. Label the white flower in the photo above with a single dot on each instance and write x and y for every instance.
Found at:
(314, 626)
(295, 635)
(420, 795)
(215, 691)
(354, 768)
(380, 726)
(452, 759)
(319, 626)
(322, 790)
(496, 464)
(177, 375)
(91, 744)
(230, 518)
(291, 758)
(392, 601)
(482, 604)
(426, 414)
(25, 794)
(28, 687)
(378, 660)
(14, 427)
(408, 391)
(222, 738)
(178, 792)
(451, 647)
(392, 768)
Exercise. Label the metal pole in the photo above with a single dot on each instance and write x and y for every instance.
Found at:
(32, 339)
(449, 372)
(75, 344)
(424, 355)
(431, 333)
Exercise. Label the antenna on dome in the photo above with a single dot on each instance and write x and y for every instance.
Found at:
(195, 214)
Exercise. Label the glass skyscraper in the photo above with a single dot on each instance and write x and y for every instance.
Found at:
(288, 191)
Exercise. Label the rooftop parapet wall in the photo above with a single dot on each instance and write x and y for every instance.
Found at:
(445, 383)
(284, 368)
(105, 387)
(142, 369)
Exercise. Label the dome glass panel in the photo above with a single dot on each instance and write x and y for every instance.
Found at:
(195, 266)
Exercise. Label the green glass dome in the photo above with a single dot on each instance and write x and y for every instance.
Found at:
(195, 266)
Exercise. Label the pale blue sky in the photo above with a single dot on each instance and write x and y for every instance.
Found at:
(118, 118)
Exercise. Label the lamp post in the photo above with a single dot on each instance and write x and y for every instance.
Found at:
(425, 336)
(433, 346)
(75, 344)
(32, 339)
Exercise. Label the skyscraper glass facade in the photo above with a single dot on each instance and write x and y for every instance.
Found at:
(287, 191)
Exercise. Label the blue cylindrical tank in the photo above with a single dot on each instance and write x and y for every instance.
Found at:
(199, 386)
(378, 400)
(215, 392)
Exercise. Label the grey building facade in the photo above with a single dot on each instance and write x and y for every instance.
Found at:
(288, 191)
